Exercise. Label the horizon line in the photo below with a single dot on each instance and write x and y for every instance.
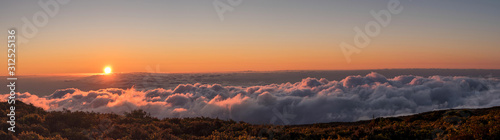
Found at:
(243, 71)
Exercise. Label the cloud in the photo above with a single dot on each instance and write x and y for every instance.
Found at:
(308, 101)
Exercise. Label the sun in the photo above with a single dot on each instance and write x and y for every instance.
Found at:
(107, 70)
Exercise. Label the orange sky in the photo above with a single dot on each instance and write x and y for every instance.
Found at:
(293, 36)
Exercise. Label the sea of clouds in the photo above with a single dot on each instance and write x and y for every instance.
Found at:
(309, 101)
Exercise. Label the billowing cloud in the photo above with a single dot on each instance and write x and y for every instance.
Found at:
(309, 101)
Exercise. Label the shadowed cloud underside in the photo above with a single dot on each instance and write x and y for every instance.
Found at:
(309, 101)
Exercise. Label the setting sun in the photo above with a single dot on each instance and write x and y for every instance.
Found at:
(107, 70)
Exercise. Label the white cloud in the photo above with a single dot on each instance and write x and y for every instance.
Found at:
(311, 100)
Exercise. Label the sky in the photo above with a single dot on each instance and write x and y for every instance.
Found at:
(259, 35)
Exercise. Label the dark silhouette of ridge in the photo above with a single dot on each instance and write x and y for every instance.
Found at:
(35, 123)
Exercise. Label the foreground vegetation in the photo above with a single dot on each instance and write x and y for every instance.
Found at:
(35, 123)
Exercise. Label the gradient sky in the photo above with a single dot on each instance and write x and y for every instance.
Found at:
(260, 35)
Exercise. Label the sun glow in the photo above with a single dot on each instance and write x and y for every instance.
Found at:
(107, 70)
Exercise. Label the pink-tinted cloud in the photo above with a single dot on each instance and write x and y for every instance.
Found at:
(310, 101)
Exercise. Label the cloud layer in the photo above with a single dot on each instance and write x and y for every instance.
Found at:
(309, 101)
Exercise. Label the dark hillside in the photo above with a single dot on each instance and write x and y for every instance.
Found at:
(35, 123)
